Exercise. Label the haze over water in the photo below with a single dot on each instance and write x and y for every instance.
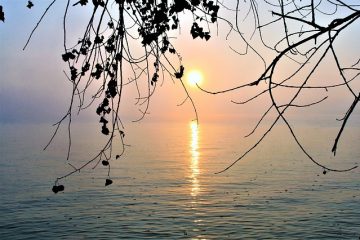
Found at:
(165, 187)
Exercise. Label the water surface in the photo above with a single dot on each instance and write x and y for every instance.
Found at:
(165, 187)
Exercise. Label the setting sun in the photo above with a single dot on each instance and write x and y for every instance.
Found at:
(194, 77)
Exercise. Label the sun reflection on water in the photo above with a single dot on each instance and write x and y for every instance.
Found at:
(194, 164)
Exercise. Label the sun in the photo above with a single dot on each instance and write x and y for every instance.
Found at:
(194, 77)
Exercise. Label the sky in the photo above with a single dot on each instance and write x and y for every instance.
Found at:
(33, 87)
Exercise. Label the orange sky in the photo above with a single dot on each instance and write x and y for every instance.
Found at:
(34, 88)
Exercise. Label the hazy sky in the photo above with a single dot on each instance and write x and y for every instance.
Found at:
(33, 87)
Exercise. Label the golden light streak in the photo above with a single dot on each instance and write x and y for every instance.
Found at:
(194, 165)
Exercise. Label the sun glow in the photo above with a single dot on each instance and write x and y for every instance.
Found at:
(194, 77)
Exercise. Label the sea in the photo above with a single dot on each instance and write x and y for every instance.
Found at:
(165, 184)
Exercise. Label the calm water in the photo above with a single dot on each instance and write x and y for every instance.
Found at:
(165, 186)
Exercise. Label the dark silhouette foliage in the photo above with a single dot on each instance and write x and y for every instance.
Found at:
(58, 188)
(106, 48)
(29, 5)
(2, 14)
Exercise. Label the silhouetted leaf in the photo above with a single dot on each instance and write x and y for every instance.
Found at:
(82, 2)
(99, 110)
(165, 46)
(58, 188)
(98, 3)
(2, 15)
(213, 19)
(61, 188)
(105, 102)
(180, 73)
(98, 39)
(83, 50)
(172, 50)
(160, 17)
(85, 68)
(196, 31)
(55, 189)
(105, 163)
(148, 38)
(67, 56)
(112, 88)
(195, 2)
(155, 77)
(324, 172)
(179, 6)
(103, 120)
(117, 156)
(111, 24)
(105, 130)
(207, 36)
(108, 182)
(29, 5)
(98, 71)
(73, 73)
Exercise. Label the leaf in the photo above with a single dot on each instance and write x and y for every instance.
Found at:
(112, 88)
(86, 67)
(67, 56)
(117, 156)
(98, 39)
(73, 73)
(29, 5)
(179, 6)
(82, 2)
(99, 110)
(111, 24)
(195, 2)
(105, 163)
(172, 50)
(55, 189)
(155, 77)
(103, 120)
(180, 73)
(58, 188)
(105, 102)
(196, 31)
(165, 46)
(105, 130)
(98, 72)
(108, 181)
(207, 36)
(61, 188)
(148, 38)
(213, 19)
(2, 15)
